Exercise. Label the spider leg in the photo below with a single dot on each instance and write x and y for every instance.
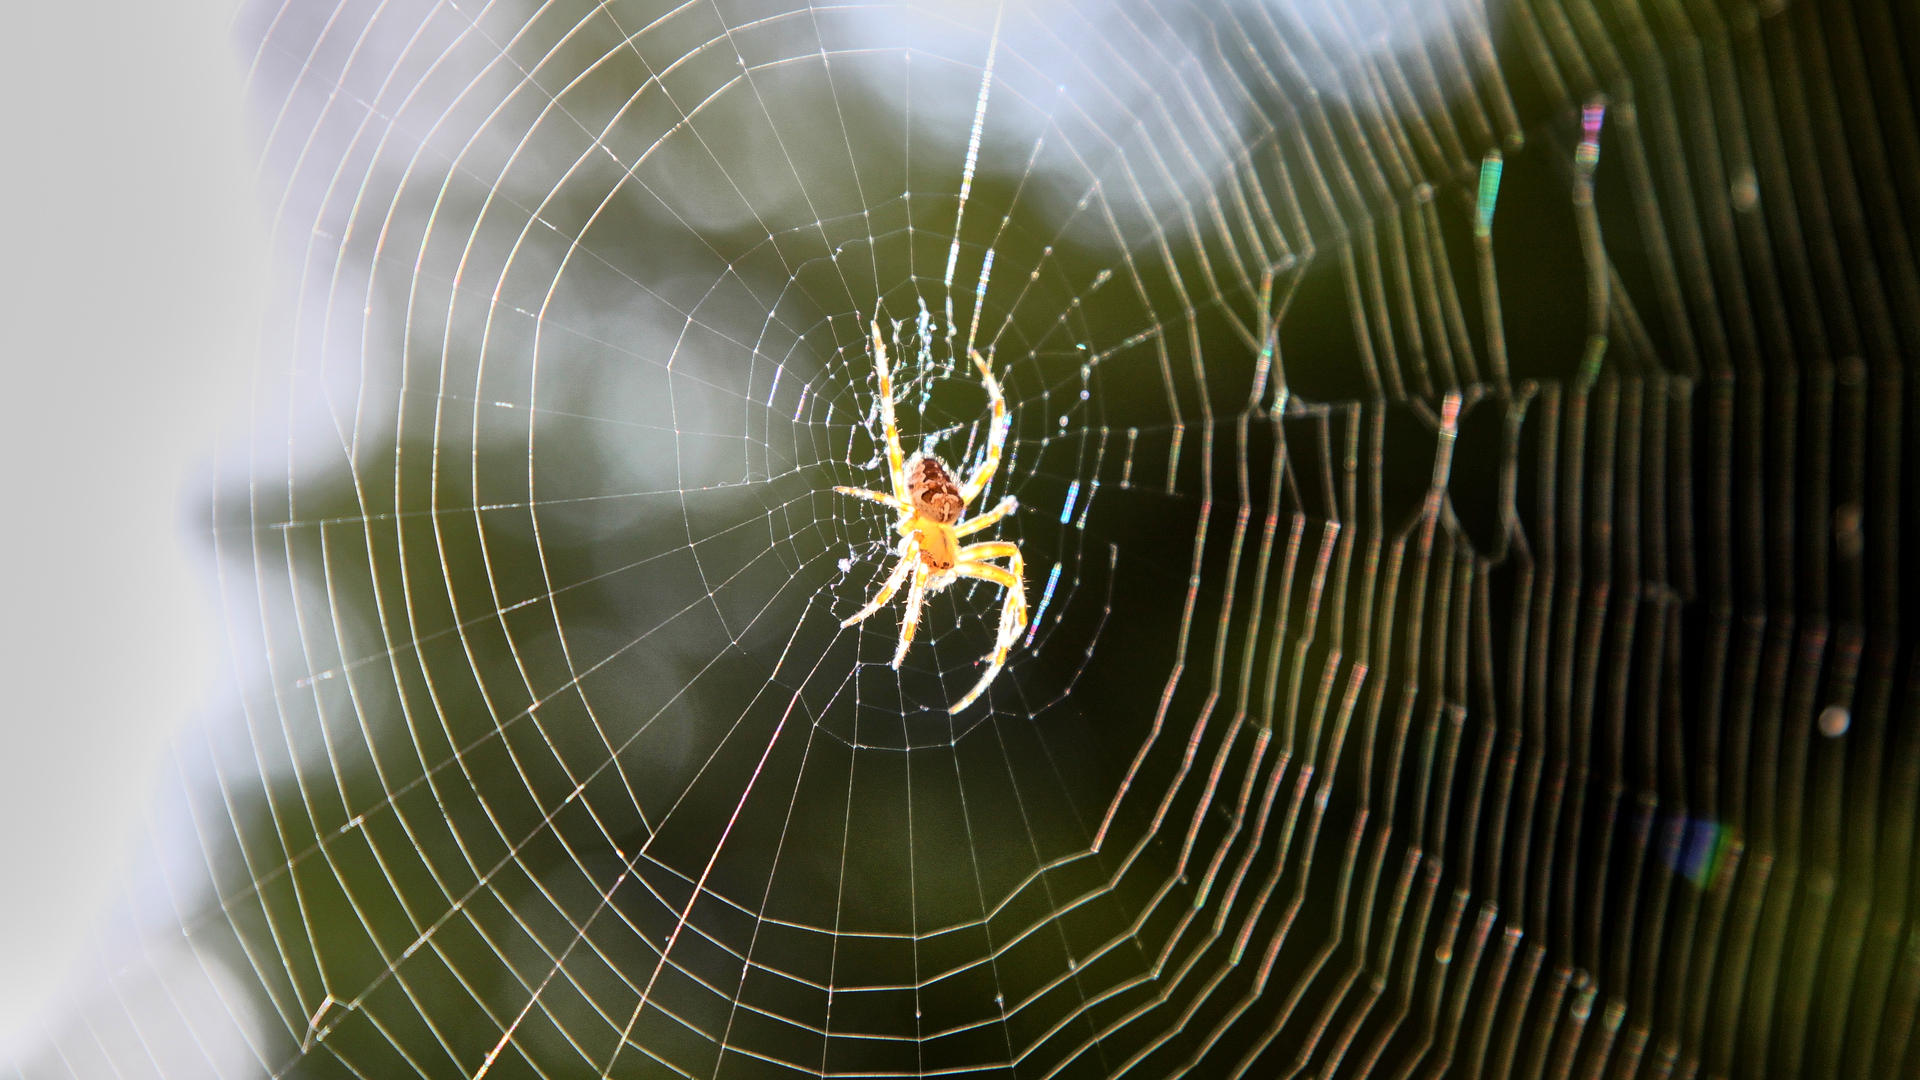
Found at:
(916, 593)
(993, 549)
(1013, 609)
(987, 520)
(908, 549)
(973, 563)
(996, 435)
(880, 497)
(896, 461)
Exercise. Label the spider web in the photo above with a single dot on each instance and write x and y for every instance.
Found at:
(1466, 603)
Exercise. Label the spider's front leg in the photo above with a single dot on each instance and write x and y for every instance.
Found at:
(896, 460)
(996, 435)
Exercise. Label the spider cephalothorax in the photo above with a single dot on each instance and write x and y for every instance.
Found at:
(930, 505)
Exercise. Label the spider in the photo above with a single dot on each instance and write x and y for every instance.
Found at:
(930, 505)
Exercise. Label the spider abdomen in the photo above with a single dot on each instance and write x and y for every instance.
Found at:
(935, 496)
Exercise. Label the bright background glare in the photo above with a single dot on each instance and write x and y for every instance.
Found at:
(130, 292)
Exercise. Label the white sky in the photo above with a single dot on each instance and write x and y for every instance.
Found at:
(131, 280)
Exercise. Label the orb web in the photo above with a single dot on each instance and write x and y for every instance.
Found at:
(1459, 476)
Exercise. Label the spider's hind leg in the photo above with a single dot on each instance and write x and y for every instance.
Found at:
(1013, 609)
(909, 548)
(916, 594)
(1012, 577)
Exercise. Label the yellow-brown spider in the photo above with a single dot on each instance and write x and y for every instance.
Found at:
(930, 505)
